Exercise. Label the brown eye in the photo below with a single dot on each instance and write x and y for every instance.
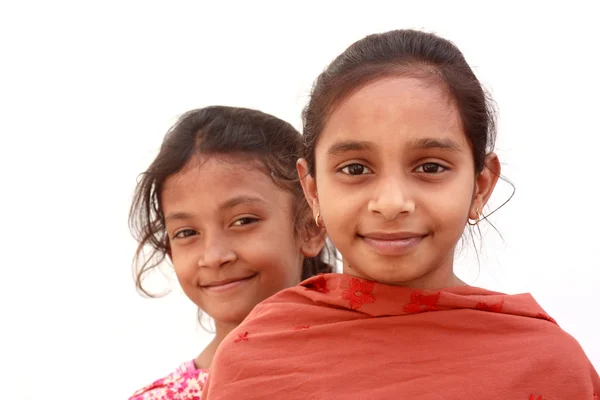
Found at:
(245, 221)
(185, 233)
(431, 168)
(355, 169)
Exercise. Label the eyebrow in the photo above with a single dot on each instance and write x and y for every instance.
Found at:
(419, 144)
(433, 143)
(178, 216)
(235, 201)
(348, 145)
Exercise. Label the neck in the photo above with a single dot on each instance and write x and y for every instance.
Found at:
(440, 277)
(222, 329)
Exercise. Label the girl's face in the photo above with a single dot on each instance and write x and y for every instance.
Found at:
(395, 182)
(232, 236)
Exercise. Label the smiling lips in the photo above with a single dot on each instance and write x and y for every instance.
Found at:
(227, 284)
(392, 243)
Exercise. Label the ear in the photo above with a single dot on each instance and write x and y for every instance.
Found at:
(309, 185)
(314, 240)
(484, 185)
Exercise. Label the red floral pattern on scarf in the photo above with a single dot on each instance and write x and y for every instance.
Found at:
(421, 303)
(359, 293)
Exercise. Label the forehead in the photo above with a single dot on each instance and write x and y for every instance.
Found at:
(206, 182)
(394, 110)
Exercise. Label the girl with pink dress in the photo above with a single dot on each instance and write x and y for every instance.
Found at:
(222, 203)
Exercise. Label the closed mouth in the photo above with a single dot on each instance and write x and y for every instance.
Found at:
(392, 236)
(228, 281)
(392, 244)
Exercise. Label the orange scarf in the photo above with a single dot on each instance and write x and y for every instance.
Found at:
(338, 337)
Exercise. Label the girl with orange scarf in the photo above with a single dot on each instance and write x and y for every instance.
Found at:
(399, 138)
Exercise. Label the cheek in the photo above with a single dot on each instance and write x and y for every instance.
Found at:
(276, 257)
(288, 262)
(450, 217)
(279, 272)
(450, 207)
(337, 201)
(185, 267)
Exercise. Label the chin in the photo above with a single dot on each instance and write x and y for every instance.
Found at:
(229, 314)
(390, 272)
(394, 280)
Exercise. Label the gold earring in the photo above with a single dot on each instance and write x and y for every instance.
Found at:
(477, 220)
(317, 219)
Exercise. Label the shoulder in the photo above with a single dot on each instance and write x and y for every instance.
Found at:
(562, 359)
(317, 290)
(185, 382)
(554, 349)
(283, 300)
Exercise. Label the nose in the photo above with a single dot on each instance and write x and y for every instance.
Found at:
(217, 253)
(391, 199)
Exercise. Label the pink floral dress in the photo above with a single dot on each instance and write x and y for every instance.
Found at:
(186, 382)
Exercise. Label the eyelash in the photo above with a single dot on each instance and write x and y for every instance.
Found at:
(351, 165)
(444, 169)
(250, 220)
(184, 233)
(421, 167)
(179, 236)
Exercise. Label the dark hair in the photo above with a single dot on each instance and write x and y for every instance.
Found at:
(405, 53)
(217, 130)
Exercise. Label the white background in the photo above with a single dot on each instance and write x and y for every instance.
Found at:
(88, 89)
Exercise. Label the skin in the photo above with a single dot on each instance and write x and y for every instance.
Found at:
(228, 221)
(395, 183)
